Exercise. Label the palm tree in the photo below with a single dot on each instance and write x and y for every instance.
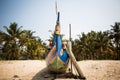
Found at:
(115, 36)
(33, 45)
(10, 41)
(16, 42)
(94, 45)
(104, 46)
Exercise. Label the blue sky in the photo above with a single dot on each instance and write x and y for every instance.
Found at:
(40, 15)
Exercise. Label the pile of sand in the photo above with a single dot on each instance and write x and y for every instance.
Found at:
(36, 70)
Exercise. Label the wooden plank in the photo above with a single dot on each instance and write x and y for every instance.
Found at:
(72, 57)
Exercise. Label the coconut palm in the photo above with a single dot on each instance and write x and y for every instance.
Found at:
(16, 42)
(33, 45)
(115, 36)
(10, 41)
(104, 46)
(94, 45)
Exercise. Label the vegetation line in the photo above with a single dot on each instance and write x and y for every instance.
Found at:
(16, 44)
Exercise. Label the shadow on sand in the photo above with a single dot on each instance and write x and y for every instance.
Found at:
(44, 74)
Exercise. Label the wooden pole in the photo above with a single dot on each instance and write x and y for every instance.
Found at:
(72, 57)
(70, 32)
(71, 45)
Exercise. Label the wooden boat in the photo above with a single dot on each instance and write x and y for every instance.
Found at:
(57, 58)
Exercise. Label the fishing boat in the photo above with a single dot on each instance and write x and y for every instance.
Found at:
(57, 58)
(60, 53)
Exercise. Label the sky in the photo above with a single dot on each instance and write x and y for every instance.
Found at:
(40, 15)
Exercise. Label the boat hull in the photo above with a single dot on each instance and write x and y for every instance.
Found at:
(57, 65)
(54, 63)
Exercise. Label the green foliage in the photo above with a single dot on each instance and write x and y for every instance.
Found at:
(114, 35)
(20, 44)
(94, 45)
(16, 44)
(10, 41)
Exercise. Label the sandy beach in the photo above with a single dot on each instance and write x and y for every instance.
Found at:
(36, 70)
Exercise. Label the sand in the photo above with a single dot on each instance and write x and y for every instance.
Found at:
(36, 70)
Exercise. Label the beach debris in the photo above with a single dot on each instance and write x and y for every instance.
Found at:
(16, 77)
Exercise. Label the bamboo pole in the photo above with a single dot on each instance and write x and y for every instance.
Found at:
(72, 57)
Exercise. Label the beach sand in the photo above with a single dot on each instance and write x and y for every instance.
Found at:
(36, 70)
